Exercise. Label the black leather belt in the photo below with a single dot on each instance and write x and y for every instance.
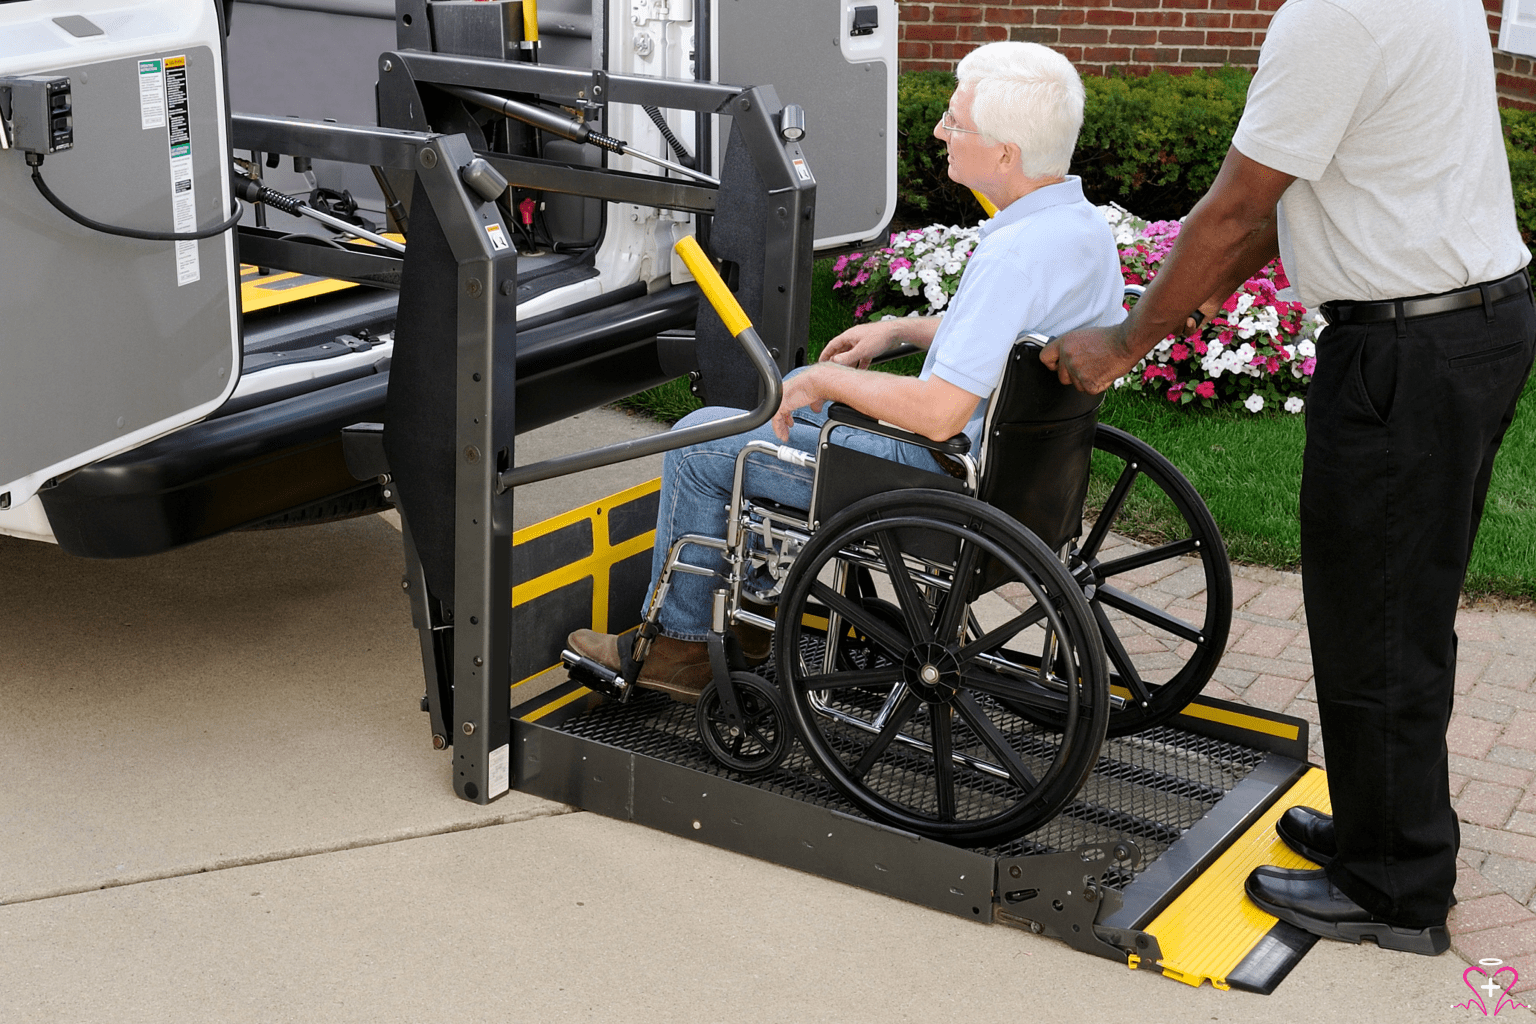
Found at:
(1344, 312)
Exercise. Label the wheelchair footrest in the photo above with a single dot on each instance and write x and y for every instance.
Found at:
(596, 677)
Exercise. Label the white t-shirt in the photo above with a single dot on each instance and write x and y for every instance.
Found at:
(1386, 114)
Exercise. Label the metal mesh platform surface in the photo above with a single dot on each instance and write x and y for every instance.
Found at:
(1150, 787)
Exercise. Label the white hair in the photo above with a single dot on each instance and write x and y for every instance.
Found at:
(1029, 95)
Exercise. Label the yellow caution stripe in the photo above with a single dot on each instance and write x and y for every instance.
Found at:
(556, 704)
(1212, 926)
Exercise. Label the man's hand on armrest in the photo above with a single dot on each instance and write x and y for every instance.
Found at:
(862, 344)
(934, 407)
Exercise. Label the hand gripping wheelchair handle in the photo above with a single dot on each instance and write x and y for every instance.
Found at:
(737, 322)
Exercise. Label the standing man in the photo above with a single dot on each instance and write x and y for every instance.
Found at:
(1370, 157)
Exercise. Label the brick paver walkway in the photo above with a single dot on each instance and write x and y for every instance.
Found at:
(1492, 738)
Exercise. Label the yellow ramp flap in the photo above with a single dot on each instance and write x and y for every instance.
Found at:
(1212, 931)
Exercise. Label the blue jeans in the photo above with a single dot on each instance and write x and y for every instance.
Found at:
(696, 487)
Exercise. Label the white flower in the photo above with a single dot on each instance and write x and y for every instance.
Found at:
(1306, 349)
(1254, 403)
(1294, 404)
(1119, 382)
(937, 297)
(1164, 345)
(1245, 353)
(1244, 304)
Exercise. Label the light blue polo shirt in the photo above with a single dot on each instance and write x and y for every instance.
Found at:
(1046, 263)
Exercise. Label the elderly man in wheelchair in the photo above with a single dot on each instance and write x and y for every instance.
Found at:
(859, 533)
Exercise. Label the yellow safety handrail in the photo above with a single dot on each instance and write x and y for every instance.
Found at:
(731, 314)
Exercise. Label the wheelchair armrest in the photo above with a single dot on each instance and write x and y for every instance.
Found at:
(960, 444)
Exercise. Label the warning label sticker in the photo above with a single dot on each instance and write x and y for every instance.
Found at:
(498, 236)
(803, 171)
(500, 771)
(151, 94)
(178, 120)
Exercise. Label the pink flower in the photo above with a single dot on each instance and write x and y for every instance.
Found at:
(1174, 392)
(900, 263)
(1308, 365)
(1200, 345)
(862, 308)
(1179, 352)
(1272, 364)
(1206, 389)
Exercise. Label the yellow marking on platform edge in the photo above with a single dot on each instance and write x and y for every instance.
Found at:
(557, 704)
(1212, 926)
(533, 679)
(1252, 723)
(596, 565)
(256, 292)
(1225, 716)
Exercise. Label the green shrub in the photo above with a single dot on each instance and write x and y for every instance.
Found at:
(924, 192)
(1520, 145)
(1151, 144)
(1154, 144)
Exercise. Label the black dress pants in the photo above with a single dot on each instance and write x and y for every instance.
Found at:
(1403, 421)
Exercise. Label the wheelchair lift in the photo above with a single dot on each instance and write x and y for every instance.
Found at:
(1109, 875)
(1145, 867)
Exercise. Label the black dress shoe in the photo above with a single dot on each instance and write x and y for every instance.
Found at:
(1309, 832)
(1308, 900)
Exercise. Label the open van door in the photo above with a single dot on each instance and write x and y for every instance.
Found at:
(837, 60)
(107, 342)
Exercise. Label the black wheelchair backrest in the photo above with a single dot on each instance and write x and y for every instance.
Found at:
(1037, 446)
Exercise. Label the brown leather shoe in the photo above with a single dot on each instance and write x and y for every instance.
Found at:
(678, 668)
(756, 642)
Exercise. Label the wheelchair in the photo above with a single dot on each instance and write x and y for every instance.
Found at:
(949, 648)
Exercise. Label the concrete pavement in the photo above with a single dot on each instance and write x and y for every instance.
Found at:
(221, 805)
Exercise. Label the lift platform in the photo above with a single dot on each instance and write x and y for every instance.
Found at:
(1145, 867)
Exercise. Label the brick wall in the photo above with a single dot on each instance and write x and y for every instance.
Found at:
(1136, 36)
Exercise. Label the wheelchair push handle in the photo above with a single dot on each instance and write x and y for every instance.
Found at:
(740, 326)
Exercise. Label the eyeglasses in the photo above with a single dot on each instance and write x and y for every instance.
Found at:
(947, 122)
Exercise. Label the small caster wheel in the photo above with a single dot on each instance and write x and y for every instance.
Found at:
(760, 740)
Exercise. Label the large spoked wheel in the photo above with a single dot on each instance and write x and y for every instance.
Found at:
(1161, 654)
(918, 718)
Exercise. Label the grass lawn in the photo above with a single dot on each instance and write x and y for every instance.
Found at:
(1247, 467)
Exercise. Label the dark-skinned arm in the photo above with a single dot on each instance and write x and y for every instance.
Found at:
(1227, 237)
